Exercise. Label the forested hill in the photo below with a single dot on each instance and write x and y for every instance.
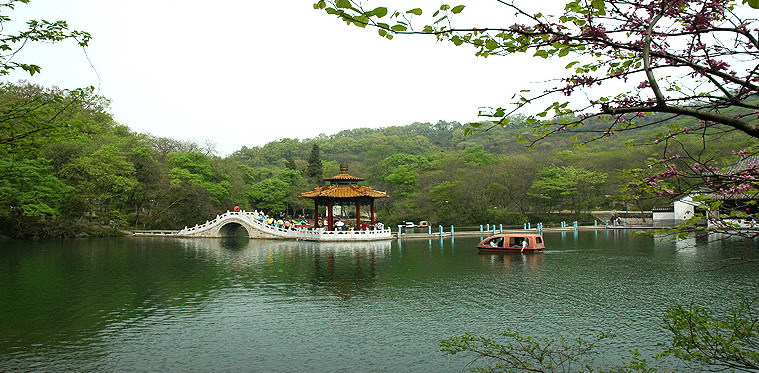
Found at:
(66, 167)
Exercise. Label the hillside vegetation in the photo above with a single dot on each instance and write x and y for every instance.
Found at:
(67, 168)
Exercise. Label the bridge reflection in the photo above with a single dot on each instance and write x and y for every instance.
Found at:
(338, 268)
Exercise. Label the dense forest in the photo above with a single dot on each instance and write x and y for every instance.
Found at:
(67, 168)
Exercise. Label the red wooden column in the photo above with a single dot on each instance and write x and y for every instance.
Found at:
(330, 219)
(316, 213)
(371, 203)
(358, 214)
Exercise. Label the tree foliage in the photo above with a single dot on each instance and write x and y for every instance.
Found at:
(702, 339)
(36, 31)
(90, 170)
(691, 58)
(631, 66)
(728, 341)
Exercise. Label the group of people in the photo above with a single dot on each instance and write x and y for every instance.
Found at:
(282, 222)
(290, 223)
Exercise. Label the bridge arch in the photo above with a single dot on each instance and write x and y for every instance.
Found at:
(230, 229)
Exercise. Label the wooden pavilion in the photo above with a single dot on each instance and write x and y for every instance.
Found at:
(343, 189)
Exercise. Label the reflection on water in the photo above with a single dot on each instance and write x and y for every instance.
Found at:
(161, 304)
(339, 268)
(532, 261)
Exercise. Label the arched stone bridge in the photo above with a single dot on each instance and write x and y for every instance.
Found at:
(227, 224)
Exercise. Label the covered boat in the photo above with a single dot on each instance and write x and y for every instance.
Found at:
(513, 242)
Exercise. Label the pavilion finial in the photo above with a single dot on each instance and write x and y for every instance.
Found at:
(343, 168)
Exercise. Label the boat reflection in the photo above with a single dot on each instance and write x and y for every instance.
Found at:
(532, 261)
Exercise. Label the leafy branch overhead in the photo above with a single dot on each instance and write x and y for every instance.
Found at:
(684, 58)
(36, 31)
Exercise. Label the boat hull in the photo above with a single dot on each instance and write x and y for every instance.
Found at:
(513, 243)
(507, 250)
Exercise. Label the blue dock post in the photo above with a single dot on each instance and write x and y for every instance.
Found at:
(500, 228)
(480, 227)
(487, 227)
(574, 225)
(494, 229)
(595, 222)
(440, 229)
(524, 226)
(529, 225)
(451, 231)
(429, 229)
(399, 231)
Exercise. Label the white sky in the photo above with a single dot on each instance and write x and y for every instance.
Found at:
(243, 73)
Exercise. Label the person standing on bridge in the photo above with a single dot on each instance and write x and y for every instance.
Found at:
(237, 208)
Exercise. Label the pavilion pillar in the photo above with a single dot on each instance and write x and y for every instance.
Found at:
(316, 213)
(330, 219)
(358, 214)
(371, 203)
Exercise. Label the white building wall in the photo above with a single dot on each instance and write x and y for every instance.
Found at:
(684, 208)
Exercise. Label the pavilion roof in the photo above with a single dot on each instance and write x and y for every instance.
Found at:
(344, 191)
(344, 185)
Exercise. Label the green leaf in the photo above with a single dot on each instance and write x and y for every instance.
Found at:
(415, 11)
(31, 69)
(491, 44)
(457, 9)
(343, 3)
(599, 5)
(398, 28)
(380, 11)
(752, 3)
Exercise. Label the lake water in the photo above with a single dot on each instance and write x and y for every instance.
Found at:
(231, 305)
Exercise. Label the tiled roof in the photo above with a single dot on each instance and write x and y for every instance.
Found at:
(344, 191)
(344, 177)
(744, 164)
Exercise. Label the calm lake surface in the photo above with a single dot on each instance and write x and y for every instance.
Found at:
(232, 305)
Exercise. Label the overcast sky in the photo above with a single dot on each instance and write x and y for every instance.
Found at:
(243, 73)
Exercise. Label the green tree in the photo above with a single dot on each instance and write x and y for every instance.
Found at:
(275, 193)
(314, 170)
(29, 190)
(104, 180)
(567, 187)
